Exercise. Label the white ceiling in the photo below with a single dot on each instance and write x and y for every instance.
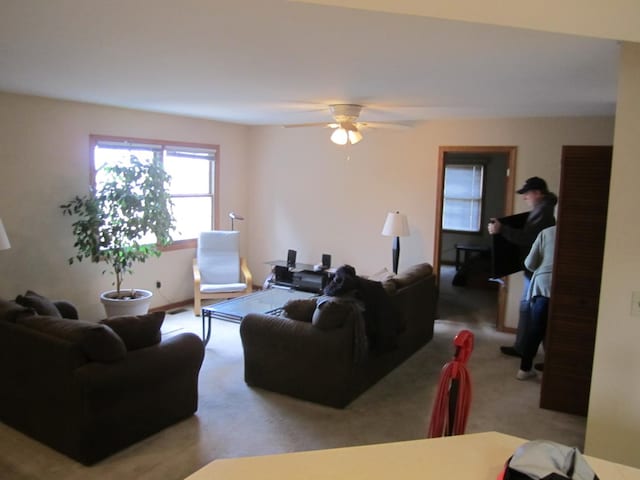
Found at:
(276, 62)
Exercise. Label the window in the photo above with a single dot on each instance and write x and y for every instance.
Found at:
(463, 185)
(193, 178)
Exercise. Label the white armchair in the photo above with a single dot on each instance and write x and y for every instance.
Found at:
(218, 269)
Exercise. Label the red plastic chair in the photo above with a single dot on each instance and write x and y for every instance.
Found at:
(453, 400)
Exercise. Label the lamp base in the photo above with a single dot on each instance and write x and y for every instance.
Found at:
(395, 254)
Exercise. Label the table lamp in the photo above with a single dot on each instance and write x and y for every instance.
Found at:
(395, 225)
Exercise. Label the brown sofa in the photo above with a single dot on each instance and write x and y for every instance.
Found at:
(325, 362)
(84, 389)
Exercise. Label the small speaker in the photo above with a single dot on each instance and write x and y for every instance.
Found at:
(291, 258)
(326, 260)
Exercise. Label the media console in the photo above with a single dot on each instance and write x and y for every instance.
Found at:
(302, 276)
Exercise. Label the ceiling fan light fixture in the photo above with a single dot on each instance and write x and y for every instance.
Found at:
(354, 136)
(340, 136)
(347, 132)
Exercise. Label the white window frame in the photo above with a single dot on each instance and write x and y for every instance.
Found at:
(466, 197)
(176, 149)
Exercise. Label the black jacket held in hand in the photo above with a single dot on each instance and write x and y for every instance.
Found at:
(539, 218)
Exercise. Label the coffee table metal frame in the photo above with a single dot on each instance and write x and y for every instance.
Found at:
(269, 301)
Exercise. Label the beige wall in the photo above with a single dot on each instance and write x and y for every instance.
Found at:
(307, 195)
(44, 146)
(613, 428)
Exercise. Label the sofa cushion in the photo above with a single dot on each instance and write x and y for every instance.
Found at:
(137, 331)
(412, 274)
(10, 311)
(300, 309)
(98, 342)
(330, 314)
(42, 305)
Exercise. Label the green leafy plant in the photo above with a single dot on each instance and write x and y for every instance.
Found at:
(115, 218)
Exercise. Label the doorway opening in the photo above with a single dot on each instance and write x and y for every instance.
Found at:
(462, 250)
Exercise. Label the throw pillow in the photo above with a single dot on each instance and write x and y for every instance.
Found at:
(385, 277)
(330, 314)
(137, 331)
(10, 311)
(97, 342)
(42, 305)
(67, 309)
(300, 309)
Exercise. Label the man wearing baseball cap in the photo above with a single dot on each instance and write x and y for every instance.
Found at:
(542, 203)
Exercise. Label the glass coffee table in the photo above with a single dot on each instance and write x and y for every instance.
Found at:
(269, 301)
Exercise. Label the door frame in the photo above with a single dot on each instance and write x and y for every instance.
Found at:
(511, 152)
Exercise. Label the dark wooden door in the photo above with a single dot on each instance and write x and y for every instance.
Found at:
(575, 294)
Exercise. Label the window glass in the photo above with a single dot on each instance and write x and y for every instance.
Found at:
(189, 175)
(193, 215)
(116, 156)
(192, 171)
(463, 189)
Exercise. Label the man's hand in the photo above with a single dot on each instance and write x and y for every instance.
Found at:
(494, 226)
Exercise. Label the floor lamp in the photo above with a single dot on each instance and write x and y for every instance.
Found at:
(234, 216)
(396, 225)
(4, 240)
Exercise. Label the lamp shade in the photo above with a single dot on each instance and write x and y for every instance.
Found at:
(340, 136)
(396, 225)
(354, 136)
(4, 240)
(347, 132)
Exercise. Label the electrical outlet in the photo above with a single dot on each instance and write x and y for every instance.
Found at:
(635, 304)
(158, 284)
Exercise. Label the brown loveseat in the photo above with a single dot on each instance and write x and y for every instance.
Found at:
(84, 389)
(320, 357)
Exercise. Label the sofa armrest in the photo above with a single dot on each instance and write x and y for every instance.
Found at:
(121, 403)
(295, 358)
(178, 355)
(416, 304)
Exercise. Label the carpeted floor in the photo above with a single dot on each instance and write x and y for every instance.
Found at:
(235, 420)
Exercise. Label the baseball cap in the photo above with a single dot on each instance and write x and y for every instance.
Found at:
(533, 183)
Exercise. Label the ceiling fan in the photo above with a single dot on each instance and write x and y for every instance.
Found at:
(346, 127)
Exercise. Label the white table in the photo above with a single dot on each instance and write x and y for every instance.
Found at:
(479, 456)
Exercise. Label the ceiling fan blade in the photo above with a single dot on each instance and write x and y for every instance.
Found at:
(298, 125)
(393, 125)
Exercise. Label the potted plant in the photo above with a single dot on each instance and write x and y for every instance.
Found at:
(117, 222)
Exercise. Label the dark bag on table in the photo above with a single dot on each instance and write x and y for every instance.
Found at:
(545, 460)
